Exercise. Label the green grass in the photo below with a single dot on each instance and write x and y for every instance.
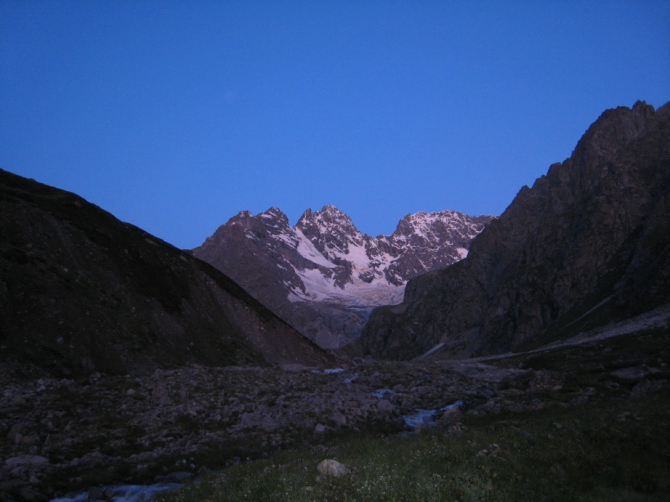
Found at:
(561, 454)
(612, 446)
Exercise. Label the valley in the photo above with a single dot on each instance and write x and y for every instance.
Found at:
(62, 436)
(526, 358)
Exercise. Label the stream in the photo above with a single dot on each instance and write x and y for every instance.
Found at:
(126, 493)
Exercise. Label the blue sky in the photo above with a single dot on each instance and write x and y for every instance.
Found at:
(176, 115)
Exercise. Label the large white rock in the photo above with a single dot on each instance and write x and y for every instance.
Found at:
(332, 468)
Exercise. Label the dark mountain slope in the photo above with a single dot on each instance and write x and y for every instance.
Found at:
(588, 244)
(81, 291)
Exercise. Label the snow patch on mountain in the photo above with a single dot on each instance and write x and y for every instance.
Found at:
(307, 250)
(323, 275)
(355, 294)
(359, 267)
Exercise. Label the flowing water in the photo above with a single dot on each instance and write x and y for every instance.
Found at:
(127, 493)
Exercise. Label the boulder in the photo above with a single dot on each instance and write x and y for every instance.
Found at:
(385, 407)
(339, 419)
(330, 468)
(26, 460)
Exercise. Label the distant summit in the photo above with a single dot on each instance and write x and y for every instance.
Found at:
(323, 275)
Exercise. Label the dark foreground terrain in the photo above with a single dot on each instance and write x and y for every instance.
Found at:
(586, 419)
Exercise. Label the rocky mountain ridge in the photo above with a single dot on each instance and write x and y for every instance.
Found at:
(323, 275)
(82, 292)
(588, 244)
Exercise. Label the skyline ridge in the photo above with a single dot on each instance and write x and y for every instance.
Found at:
(175, 117)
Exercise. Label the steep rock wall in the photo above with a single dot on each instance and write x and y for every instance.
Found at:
(588, 243)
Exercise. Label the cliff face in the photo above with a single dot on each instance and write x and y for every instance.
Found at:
(81, 291)
(587, 244)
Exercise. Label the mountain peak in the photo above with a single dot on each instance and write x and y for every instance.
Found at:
(330, 230)
(242, 215)
(274, 213)
(328, 219)
(332, 210)
(327, 212)
(434, 229)
(272, 217)
(324, 275)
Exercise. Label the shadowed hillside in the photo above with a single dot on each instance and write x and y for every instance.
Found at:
(588, 244)
(81, 291)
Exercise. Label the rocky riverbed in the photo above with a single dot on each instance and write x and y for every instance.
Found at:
(59, 436)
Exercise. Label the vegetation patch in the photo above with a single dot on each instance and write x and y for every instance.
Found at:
(601, 453)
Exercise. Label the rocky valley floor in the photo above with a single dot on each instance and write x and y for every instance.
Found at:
(64, 436)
